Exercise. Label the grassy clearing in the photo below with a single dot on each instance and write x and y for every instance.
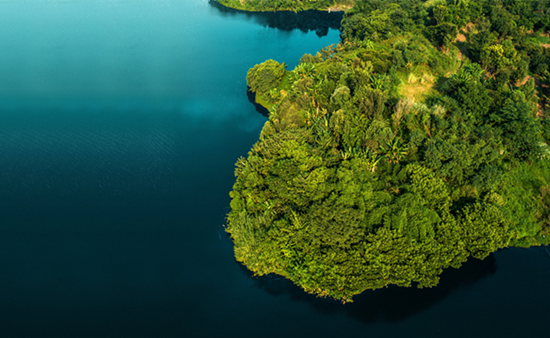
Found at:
(417, 90)
(418, 83)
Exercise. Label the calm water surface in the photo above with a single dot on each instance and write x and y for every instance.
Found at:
(120, 123)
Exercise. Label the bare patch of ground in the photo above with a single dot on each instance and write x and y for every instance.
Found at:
(460, 38)
(468, 28)
(524, 81)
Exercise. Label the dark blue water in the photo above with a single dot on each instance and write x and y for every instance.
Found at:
(120, 123)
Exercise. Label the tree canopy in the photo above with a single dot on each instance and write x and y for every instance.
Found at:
(287, 5)
(418, 141)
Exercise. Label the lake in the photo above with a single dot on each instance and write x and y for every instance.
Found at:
(120, 123)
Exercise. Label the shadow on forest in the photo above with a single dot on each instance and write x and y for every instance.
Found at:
(389, 304)
(305, 21)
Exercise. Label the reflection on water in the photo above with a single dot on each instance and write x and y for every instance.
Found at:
(318, 21)
(120, 123)
(185, 55)
(259, 108)
(390, 304)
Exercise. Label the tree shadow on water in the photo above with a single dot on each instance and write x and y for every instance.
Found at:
(305, 21)
(252, 99)
(390, 304)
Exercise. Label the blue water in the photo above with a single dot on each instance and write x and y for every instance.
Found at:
(120, 123)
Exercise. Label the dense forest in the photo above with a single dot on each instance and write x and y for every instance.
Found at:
(418, 141)
(288, 5)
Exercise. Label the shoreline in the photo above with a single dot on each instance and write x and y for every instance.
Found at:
(335, 9)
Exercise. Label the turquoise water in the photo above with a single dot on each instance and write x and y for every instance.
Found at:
(120, 123)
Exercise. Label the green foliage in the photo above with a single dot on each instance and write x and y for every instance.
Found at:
(265, 77)
(354, 186)
(443, 34)
(285, 5)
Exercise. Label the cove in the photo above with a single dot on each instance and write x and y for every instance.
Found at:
(120, 123)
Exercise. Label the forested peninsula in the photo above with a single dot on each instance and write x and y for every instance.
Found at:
(418, 141)
(288, 5)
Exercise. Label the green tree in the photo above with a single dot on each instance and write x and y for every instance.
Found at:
(265, 76)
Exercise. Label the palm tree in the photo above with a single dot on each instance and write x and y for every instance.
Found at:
(373, 159)
(377, 81)
(462, 76)
(305, 70)
(395, 151)
(475, 71)
(368, 44)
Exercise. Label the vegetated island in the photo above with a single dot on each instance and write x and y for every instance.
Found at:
(420, 140)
